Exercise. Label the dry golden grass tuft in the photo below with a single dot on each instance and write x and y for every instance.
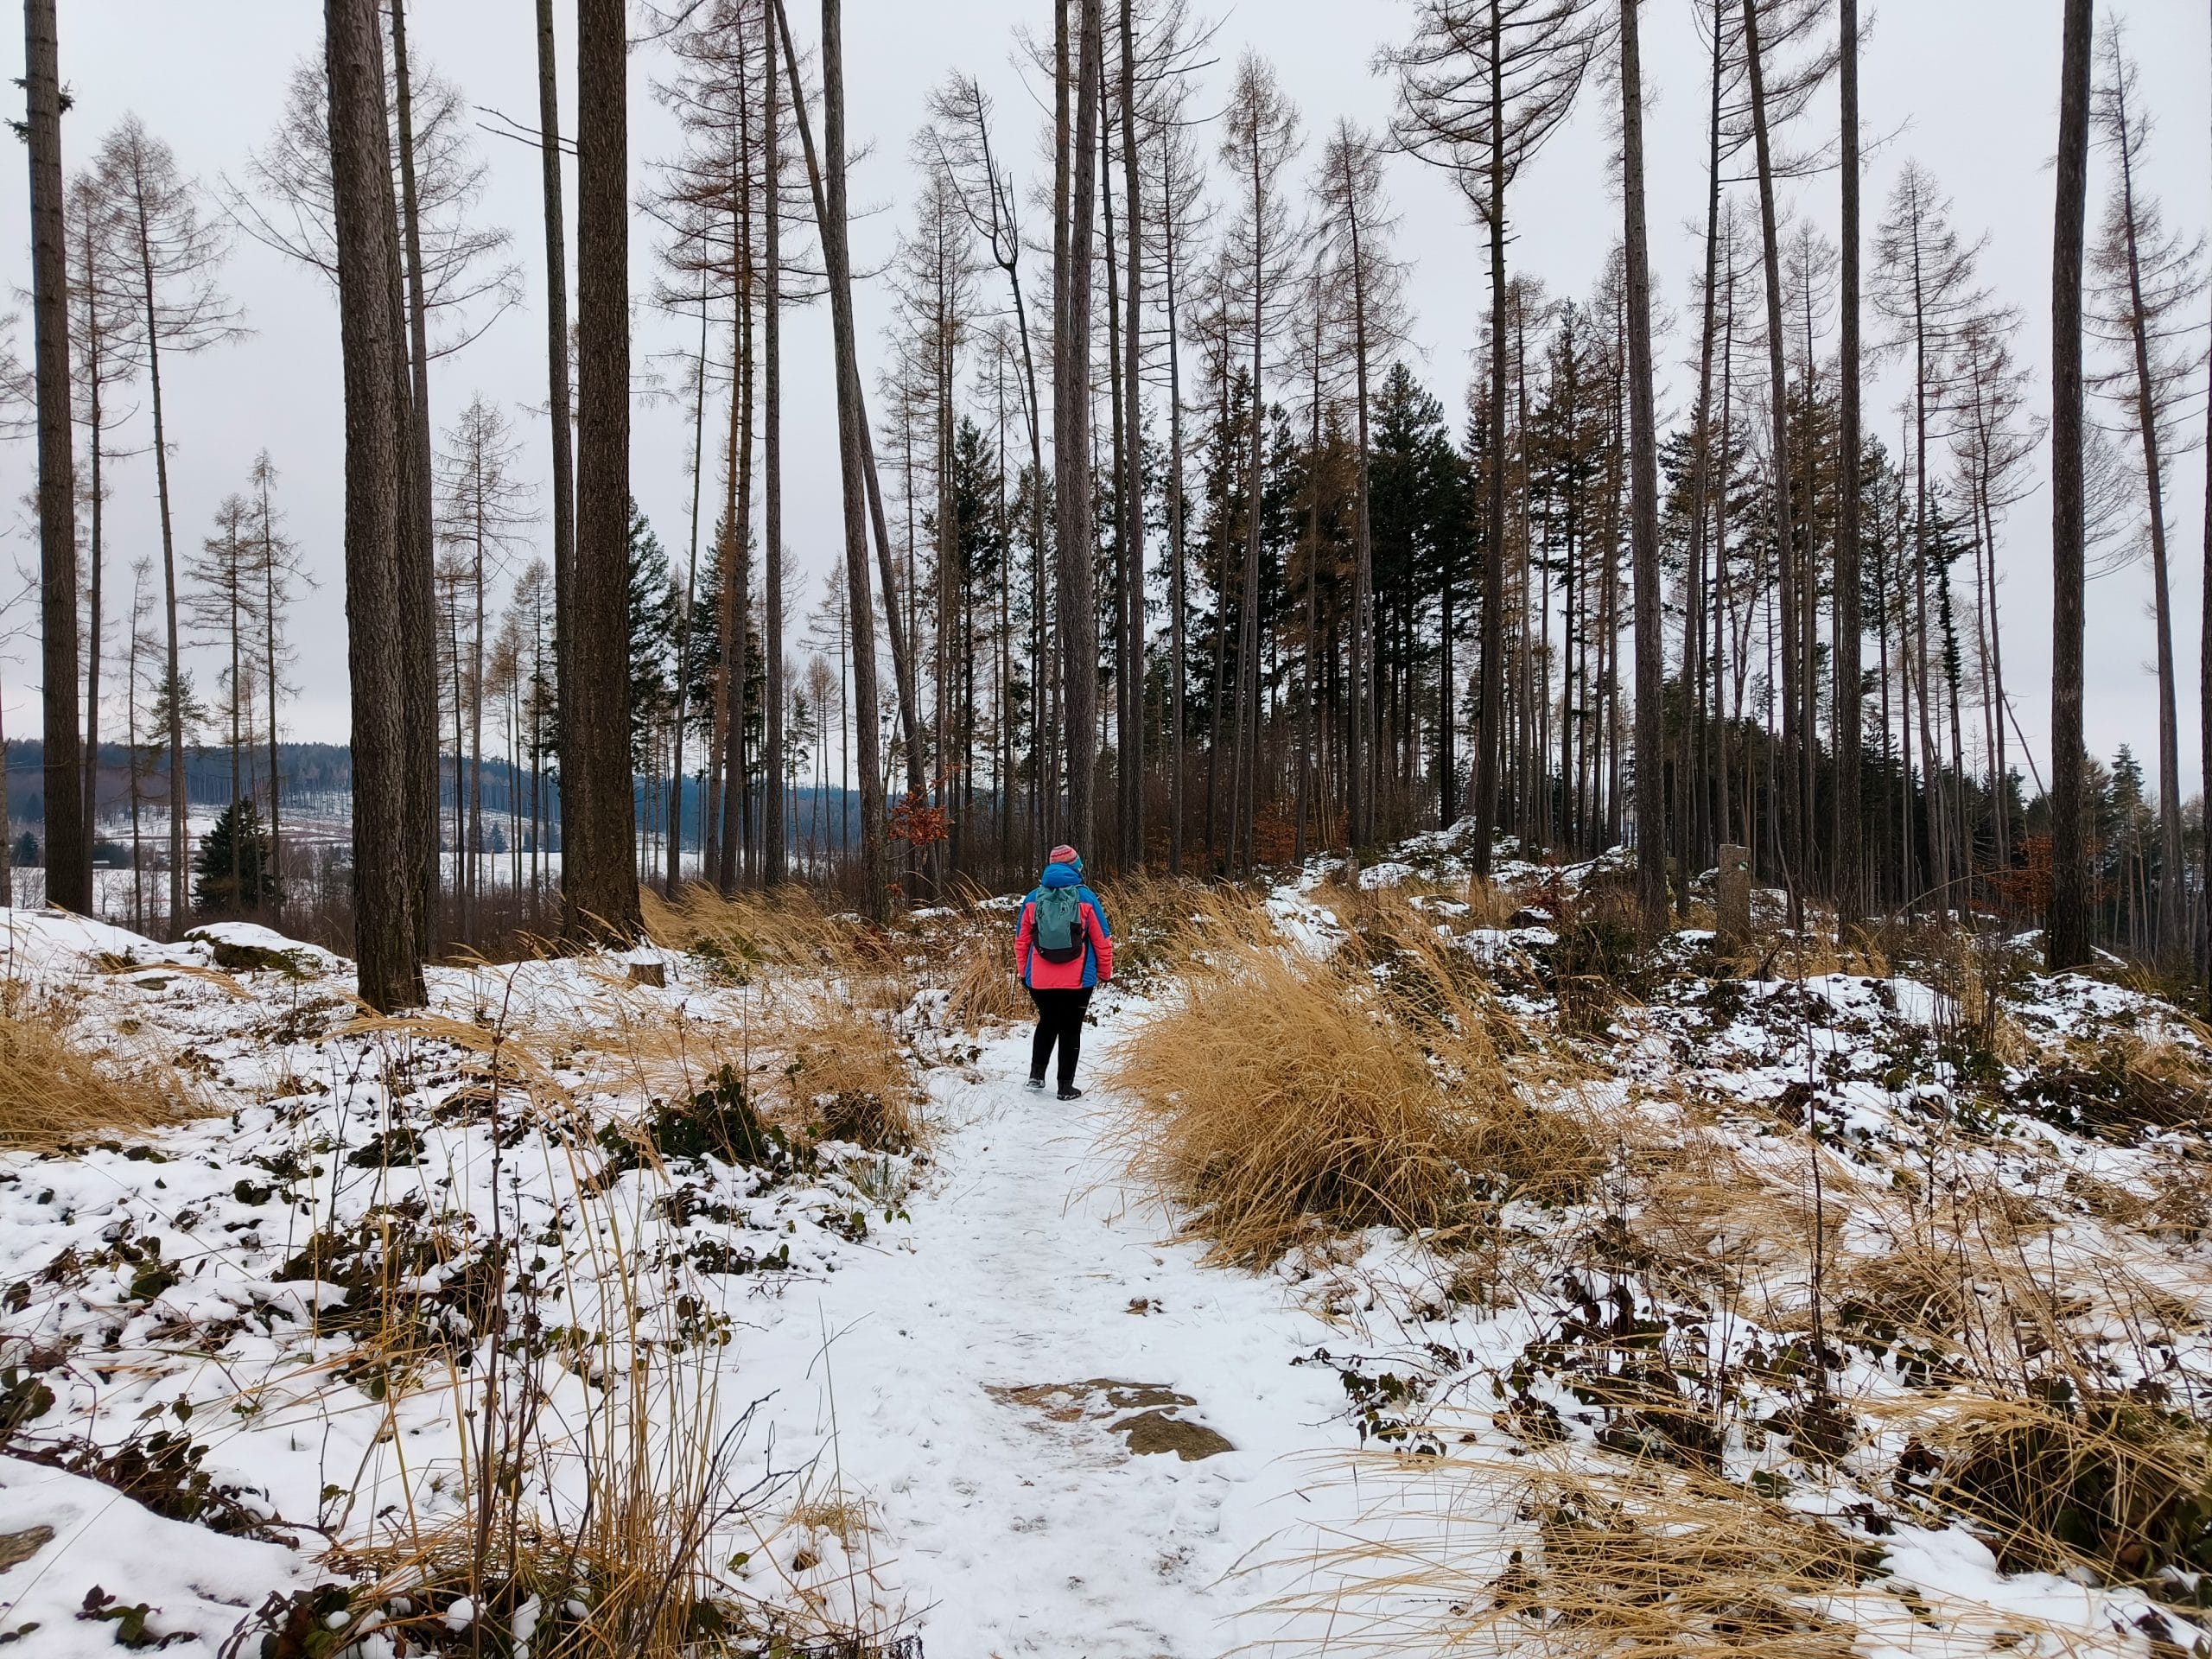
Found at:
(2062, 1480)
(1537, 1555)
(55, 1090)
(844, 1071)
(980, 977)
(1278, 1094)
(785, 927)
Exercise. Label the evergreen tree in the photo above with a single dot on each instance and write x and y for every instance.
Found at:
(232, 875)
(652, 606)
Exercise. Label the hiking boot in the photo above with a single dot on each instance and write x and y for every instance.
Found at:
(1034, 1082)
(1069, 1093)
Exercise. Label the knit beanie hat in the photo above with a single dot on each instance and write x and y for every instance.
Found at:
(1064, 853)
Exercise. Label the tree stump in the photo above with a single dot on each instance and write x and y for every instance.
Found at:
(1733, 900)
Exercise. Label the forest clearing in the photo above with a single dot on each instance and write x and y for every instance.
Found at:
(955, 829)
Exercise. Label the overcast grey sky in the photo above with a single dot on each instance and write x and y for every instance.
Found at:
(1967, 87)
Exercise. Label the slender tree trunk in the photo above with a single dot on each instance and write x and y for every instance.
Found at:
(600, 874)
(1132, 490)
(272, 639)
(1644, 494)
(2147, 420)
(174, 671)
(2204, 730)
(97, 615)
(1178, 594)
(1793, 824)
(674, 878)
(830, 207)
(1490, 735)
(1359, 816)
(2067, 933)
(772, 606)
(1850, 857)
(377, 429)
(556, 362)
(68, 824)
(418, 590)
(1073, 527)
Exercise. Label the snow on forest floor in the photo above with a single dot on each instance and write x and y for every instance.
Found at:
(980, 1386)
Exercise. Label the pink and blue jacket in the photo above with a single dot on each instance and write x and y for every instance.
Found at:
(1094, 967)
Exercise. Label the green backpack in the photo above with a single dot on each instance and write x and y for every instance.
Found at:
(1058, 931)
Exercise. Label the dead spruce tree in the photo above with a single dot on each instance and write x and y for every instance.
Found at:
(1480, 87)
(2066, 935)
(1354, 222)
(2146, 281)
(173, 255)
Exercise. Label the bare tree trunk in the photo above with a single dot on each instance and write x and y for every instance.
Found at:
(1489, 736)
(1073, 527)
(674, 878)
(68, 849)
(1132, 490)
(2067, 933)
(1643, 493)
(377, 429)
(600, 876)
(1177, 585)
(852, 436)
(556, 360)
(94, 333)
(1850, 877)
(2204, 731)
(771, 604)
(1359, 819)
(2147, 419)
(1793, 824)
(271, 638)
(418, 590)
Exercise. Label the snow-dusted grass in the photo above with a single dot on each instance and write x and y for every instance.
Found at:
(1860, 1307)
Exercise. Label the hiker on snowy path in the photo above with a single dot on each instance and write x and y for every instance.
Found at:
(1066, 951)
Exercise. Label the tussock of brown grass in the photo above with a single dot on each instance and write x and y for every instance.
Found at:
(1279, 1094)
(55, 1091)
(981, 979)
(788, 927)
(845, 1072)
(1537, 1556)
(2118, 1486)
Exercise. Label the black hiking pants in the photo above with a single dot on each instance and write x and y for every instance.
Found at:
(1060, 1021)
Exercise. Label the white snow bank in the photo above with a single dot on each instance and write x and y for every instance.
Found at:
(196, 1586)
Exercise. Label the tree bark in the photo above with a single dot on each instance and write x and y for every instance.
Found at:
(2065, 939)
(556, 360)
(1490, 737)
(600, 874)
(1073, 526)
(1849, 875)
(375, 363)
(2147, 420)
(828, 173)
(68, 826)
(772, 601)
(1793, 735)
(418, 580)
(1643, 499)
(1131, 493)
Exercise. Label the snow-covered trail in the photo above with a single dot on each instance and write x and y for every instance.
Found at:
(1012, 1518)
